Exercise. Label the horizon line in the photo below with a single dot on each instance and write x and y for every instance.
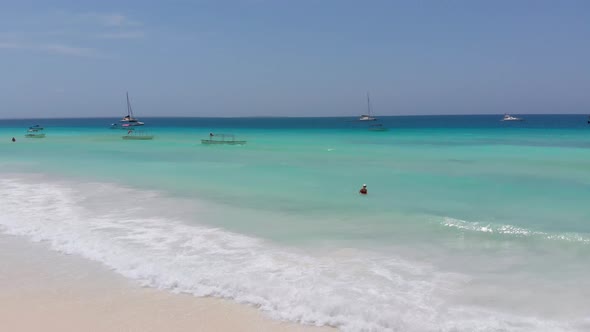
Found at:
(283, 116)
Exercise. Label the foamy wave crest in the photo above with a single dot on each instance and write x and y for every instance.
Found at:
(132, 232)
(511, 230)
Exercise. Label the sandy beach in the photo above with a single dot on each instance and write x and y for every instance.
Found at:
(49, 291)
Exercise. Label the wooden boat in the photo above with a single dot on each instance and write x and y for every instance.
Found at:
(137, 135)
(377, 127)
(33, 132)
(227, 139)
(35, 135)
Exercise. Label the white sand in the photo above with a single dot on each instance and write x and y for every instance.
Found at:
(42, 290)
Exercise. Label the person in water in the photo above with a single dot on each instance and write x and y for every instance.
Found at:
(363, 190)
(14, 139)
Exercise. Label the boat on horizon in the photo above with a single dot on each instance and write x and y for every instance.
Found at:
(367, 117)
(508, 117)
(130, 119)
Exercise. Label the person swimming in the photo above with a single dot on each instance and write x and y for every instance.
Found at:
(363, 190)
(14, 139)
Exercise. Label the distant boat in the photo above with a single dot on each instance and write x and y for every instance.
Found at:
(130, 119)
(508, 117)
(33, 132)
(367, 117)
(377, 127)
(36, 127)
(228, 139)
(137, 135)
(35, 135)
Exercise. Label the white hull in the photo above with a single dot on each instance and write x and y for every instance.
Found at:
(508, 117)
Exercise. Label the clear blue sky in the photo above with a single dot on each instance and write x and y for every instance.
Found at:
(293, 58)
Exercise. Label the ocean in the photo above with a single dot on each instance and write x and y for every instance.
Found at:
(470, 224)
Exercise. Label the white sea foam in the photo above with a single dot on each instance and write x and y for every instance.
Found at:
(511, 230)
(352, 290)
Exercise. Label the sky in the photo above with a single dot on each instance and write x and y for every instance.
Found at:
(293, 58)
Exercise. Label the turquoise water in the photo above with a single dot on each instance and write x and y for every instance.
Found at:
(470, 223)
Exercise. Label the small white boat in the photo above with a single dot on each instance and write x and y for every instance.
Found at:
(228, 139)
(367, 117)
(508, 117)
(137, 135)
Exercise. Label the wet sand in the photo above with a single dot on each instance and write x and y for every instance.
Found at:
(41, 290)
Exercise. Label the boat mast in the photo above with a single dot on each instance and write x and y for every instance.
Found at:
(369, 104)
(129, 110)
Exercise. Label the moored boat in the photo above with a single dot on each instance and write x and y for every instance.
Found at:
(228, 139)
(137, 135)
(367, 117)
(128, 120)
(377, 127)
(508, 117)
(35, 135)
(36, 127)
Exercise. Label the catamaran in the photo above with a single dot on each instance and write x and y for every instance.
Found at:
(130, 119)
(367, 117)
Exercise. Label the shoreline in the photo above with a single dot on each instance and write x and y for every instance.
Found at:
(45, 290)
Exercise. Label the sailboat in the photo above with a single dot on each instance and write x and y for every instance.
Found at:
(367, 117)
(130, 120)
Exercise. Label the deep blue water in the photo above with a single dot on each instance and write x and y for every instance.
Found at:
(533, 121)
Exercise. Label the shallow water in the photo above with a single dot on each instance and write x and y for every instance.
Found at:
(470, 223)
